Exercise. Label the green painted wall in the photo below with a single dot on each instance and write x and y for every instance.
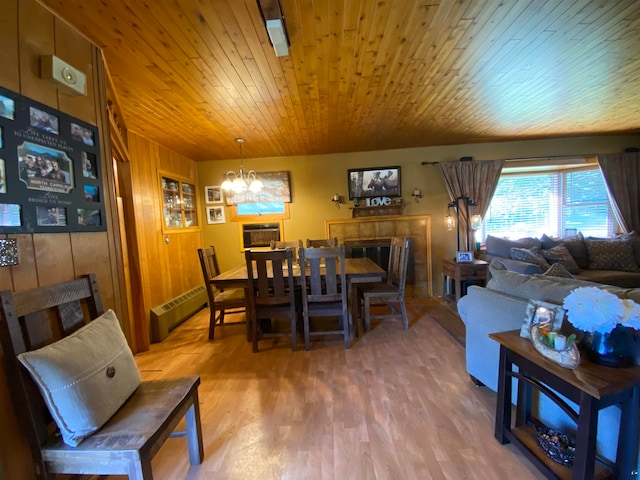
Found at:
(316, 178)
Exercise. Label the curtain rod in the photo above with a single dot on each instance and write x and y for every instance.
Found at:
(524, 159)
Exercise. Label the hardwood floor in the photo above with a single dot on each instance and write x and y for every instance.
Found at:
(397, 405)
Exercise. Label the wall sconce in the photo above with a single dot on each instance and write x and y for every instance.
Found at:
(416, 194)
(337, 199)
(8, 253)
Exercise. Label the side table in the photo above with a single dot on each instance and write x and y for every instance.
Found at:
(592, 387)
(461, 272)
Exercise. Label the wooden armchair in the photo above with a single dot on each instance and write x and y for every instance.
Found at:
(52, 317)
(324, 290)
(230, 300)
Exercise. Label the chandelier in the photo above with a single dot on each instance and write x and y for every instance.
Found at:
(241, 182)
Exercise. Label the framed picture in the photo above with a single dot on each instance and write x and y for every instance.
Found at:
(215, 214)
(374, 182)
(213, 195)
(542, 312)
(464, 257)
(50, 170)
(276, 188)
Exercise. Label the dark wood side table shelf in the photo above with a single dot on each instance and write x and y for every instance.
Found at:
(592, 387)
(461, 272)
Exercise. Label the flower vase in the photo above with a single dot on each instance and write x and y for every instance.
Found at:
(614, 349)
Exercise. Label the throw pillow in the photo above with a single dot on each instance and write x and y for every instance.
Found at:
(560, 255)
(85, 377)
(635, 243)
(530, 256)
(575, 244)
(611, 255)
(501, 247)
(557, 270)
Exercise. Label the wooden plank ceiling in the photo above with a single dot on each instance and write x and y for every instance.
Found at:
(366, 74)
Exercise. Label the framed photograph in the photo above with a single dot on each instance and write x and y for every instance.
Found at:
(543, 313)
(374, 182)
(464, 257)
(43, 120)
(7, 107)
(215, 214)
(213, 195)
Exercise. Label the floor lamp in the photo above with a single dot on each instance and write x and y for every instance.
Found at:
(463, 202)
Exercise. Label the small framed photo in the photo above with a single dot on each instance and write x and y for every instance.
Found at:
(213, 194)
(542, 313)
(215, 214)
(464, 257)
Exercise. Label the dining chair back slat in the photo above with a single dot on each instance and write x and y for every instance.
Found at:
(322, 242)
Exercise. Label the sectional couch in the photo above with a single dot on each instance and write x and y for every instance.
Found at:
(610, 261)
(501, 306)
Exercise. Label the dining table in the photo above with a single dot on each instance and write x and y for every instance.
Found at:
(359, 270)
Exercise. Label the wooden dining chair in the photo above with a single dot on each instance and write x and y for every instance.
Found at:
(324, 290)
(391, 292)
(322, 242)
(227, 300)
(294, 245)
(271, 292)
(77, 389)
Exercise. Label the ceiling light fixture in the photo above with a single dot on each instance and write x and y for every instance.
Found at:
(241, 182)
(273, 18)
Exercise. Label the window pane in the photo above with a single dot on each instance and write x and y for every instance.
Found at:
(530, 204)
(260, 208)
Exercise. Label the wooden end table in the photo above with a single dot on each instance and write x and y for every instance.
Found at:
(592, 387)
(461, 272)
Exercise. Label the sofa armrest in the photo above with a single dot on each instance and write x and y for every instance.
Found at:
(486, 311)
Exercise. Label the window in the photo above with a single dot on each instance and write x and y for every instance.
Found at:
(555, 202)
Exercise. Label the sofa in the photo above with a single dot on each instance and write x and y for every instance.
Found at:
(610, 261)
(501, 306)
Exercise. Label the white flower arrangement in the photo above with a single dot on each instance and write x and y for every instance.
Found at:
(592, 309)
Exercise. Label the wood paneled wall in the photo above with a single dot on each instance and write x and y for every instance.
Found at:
(161, 269)
(28, 31)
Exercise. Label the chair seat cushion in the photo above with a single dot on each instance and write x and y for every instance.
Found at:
(85, 377)
(230, 295)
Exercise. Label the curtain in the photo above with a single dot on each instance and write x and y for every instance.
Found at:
(621, 172)
(476, 180)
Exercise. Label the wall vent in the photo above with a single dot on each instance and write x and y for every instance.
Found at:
(169, 315)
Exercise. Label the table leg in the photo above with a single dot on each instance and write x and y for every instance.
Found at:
(584, 462)
(503, 403)
(628, 436)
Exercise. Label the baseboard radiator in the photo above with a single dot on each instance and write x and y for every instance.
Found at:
(169, 315)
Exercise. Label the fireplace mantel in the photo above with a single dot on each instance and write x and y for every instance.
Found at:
(418, 227)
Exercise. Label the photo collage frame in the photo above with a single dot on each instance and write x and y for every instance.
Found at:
(50, 178)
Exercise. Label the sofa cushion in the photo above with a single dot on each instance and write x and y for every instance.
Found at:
(501, 247)
(545, 288)
(575, 244)
(634, 239)
(530, 255)
(560, 254)
(611, 255)
(557, 270)
(85, 377)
